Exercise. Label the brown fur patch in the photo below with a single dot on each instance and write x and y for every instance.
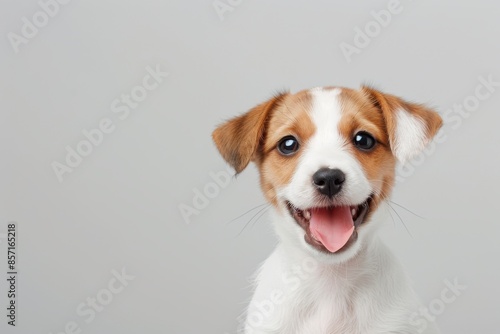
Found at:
(239, 139)
(291, 117)
(360, 114)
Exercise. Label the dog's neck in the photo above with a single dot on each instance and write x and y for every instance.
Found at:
(365, 263)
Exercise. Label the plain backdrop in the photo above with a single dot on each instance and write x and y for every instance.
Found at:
(120, 207)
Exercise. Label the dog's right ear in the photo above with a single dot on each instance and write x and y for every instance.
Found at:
(239, 139)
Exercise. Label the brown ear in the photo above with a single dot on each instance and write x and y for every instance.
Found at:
(410, 126)
(239, 138)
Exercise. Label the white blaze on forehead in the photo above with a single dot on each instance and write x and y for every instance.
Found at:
(410, 136)
(326, 114)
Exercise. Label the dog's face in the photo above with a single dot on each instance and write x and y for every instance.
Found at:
(327, 160)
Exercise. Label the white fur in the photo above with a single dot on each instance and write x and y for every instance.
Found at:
(410, 137)
(361, 290)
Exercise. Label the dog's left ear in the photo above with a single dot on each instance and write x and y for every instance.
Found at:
(239, 138)
(410, 126)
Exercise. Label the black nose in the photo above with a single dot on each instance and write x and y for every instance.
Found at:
(329, 181)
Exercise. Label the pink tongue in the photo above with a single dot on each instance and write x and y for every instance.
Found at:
(332, 226)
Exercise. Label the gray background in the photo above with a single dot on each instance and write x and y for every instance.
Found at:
(120, 207)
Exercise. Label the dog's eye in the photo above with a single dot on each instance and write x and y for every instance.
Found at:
(288, 145)
(364, 141)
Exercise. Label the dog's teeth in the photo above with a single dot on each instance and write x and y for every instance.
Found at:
(307, 214)
(353, 211)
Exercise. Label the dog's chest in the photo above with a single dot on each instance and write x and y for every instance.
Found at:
(305, 297)
(323, 316)
(321, 306)
(306, 303)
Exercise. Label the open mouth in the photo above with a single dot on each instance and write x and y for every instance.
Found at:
(330, 229)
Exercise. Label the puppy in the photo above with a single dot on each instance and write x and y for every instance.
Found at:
(327, 158)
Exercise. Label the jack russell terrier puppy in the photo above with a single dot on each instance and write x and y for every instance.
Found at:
(326, 158)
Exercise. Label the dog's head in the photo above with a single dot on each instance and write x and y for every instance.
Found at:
(327, 158)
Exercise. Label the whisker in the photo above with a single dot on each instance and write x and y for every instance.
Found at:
(260, 216)
(258, 206)
(402, 207)
(260, 211)
(397, 214)
(392, 217)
